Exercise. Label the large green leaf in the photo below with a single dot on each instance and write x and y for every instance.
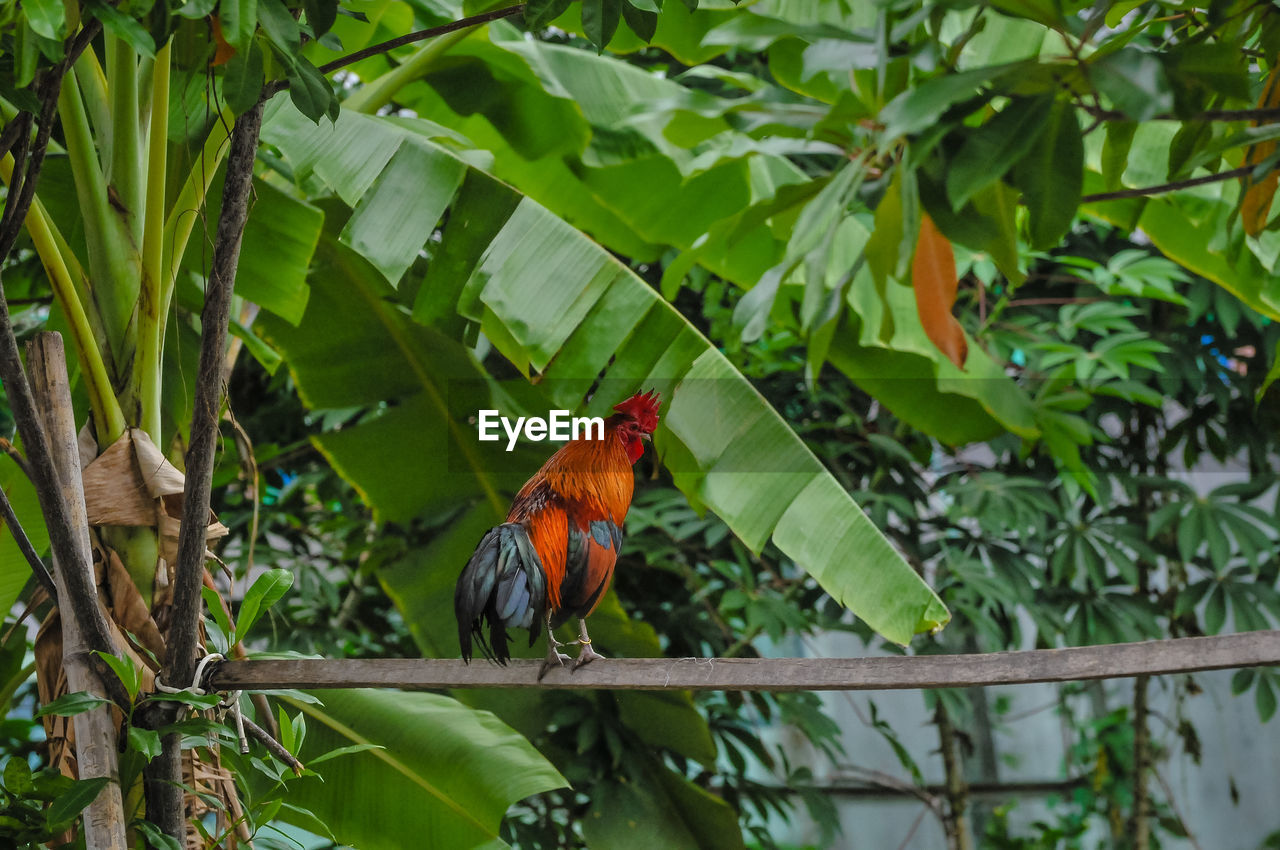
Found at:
(542, 293)
(355, 349)
(279, 241)
(658, 808)
(738, 201)
(444, 776)
(14, 569)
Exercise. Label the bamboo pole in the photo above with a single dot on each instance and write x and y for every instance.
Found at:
(1121, 660)
(104, 826)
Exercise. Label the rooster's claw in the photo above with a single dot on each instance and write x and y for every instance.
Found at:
(554, 659)
(586, 656)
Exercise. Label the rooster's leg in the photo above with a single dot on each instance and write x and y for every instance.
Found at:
(554, 658)
(585, 655)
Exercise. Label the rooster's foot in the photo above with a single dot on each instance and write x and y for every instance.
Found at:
(586, 655)
(554, 659)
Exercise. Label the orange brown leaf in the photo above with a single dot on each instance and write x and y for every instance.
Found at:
(1255, 204)
(933, 277)
(223, 51)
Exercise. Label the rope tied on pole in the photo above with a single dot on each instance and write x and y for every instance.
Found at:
(200, 687)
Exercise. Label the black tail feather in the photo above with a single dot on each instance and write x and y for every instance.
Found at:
(502, 585)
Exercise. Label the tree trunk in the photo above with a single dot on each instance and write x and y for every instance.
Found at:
(956, 822)
(95, 730)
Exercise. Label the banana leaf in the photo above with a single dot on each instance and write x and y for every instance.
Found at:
(559, 306)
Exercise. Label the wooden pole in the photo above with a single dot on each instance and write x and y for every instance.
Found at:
(104, 826)
(1121, 660)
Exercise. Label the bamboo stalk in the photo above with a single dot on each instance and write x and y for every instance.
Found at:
(93, 88)
(127, 144)
(1121, 660)
(114, 264)
(152, 296)
(104, 825)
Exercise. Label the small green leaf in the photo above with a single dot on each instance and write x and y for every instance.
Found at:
(69, 705)
(921, 106)
(17, 776)
(157, 837)
(197, 9)
(1214, 65)
(214, 603)
(126, 671)
(600, 21)
(125, 27)
(995, 147)
(1051, 177)
(342, 751)
(201, 702)
(279, 25)
(239, 19)
(1266, 699)
(47, 18)
(1115, 152)
(539, 13)
(310, 91)
(286, 730)
(641, 21)
(145, 741)
(1242, 680)
(1135, 82)
(70, 804)
(244, 79)
(265, 592)
(1215, 610)
(321, 15)
(1042, 11)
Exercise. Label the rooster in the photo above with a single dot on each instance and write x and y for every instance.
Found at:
(554, 556)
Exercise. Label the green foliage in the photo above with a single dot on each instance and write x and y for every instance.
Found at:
(764, 168)
(36, 807)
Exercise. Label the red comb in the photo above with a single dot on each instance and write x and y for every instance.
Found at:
(643, 408)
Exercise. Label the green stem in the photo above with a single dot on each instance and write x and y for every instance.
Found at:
(152, 295)
(378, 93)
(126, 136)
(93, 87)
(114, 267)
(186, 209)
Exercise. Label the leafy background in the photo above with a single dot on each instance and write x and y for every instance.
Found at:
(734, 198)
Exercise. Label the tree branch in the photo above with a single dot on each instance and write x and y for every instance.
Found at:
(1140, 820)
(956, 822)
(18, 201)
(1163, 188)
(164, 787)
(277, 86)
(1260, 114)
(273, 746)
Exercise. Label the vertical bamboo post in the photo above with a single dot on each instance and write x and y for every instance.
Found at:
(104, 826)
